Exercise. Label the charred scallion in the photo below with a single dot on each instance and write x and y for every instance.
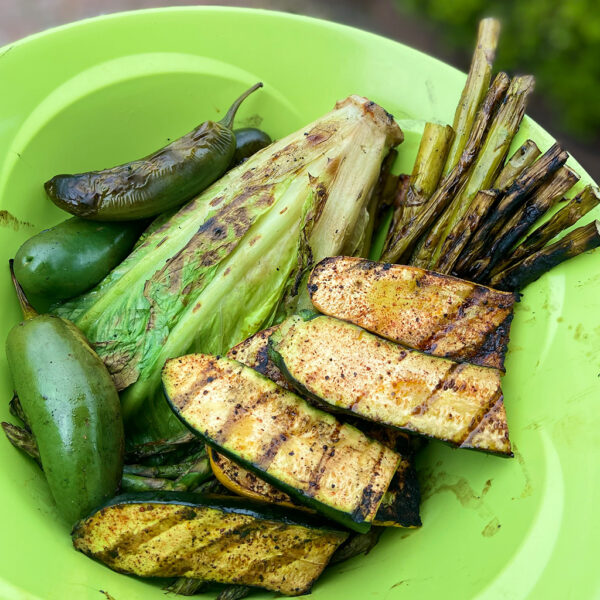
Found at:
(534, 266)
(516, 164)
(486, 167)
(401, 246)
(461, 233)
(515, 196)
(476, 87)
(542, 200)
(425, 176)
(568, 215)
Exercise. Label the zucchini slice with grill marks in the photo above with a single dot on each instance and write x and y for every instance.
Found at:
(214, 538)
(356, 372)
(399, 507)
(307, 453)
(400, 504)
(437, 314)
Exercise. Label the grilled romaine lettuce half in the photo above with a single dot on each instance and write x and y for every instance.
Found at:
(400, 504)
(356, 372)
(305, 452)
(220, 539)
(226, 263)
(437, 314)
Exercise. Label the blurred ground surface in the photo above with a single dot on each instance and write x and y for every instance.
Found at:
(19, 18)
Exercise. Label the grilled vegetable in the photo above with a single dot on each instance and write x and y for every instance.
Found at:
(22, 440)
(569, 214)
(545, 197)
(527, 270)
(218, 270)
(248, 141)
(476, 86)
(138, 483)
(219, 539)
(399, 507)
(185, 586)
(488, 163)
(305, 452)
(527, 182)
(400, 504)
(401, 244)
(427, 170)
(73, 256)
(154, 184)
(234, 592)
(16, 410)
(246, 483)
(171, 471)
(162, 451)
(464, 229)
(358, 543)
(72, 408)
(516, 164)
(355, 372)
(436, 314)
(252, 352)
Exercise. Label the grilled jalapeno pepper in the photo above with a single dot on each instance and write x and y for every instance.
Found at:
(163, 180)
(248, 141)
(72, 257)
(72, 407)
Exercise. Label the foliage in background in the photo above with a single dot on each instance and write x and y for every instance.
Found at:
(556, 40)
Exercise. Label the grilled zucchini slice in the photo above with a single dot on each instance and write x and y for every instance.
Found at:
(399, 507)
(354, 371)
(221, 539)
(305, 452)
(437, 314)
(253, 352)
(400, 504)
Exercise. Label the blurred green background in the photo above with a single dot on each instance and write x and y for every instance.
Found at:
(558, 41)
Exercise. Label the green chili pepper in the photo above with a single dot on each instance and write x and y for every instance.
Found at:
(69, 401)
(72, 257)
(156, 183)
(248, 141)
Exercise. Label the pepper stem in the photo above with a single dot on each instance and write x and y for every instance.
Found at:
(28, 311)
(227, 120)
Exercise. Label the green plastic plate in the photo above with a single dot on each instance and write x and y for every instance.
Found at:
(107, 90)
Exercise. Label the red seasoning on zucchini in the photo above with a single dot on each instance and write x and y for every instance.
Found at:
(400, 504)
(437, 314)
(353, 371)
(220, 539)
(305, 452)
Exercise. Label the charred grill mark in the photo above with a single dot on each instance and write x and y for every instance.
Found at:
(479, 296)
(237, 215)
(400, 504)
(369, 497)
(315, 480)
(267, 458)
(490, 407)
(492, 351)
(289, 415)
(446, 382)
(261, 362)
